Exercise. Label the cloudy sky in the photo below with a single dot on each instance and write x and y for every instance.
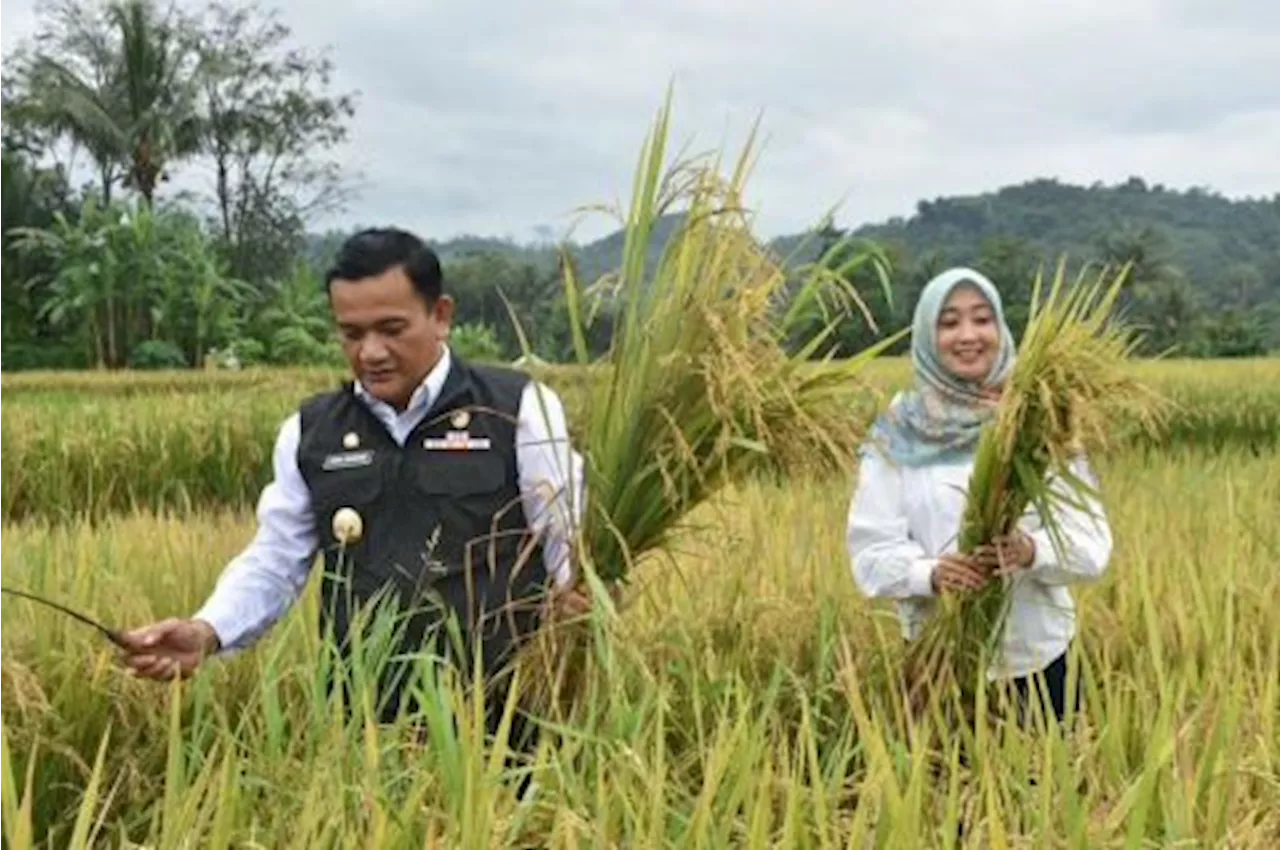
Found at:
(500, 117)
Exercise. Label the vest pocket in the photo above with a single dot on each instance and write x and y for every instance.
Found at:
(357, 489)
(461, 474)
(347, 486)
(478, 507)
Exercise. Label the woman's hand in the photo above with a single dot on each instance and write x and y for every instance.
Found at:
(1008, 553)
(959, 574)
(991, 395)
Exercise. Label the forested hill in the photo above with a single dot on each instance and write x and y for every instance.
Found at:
(1227, 247)
(1205, 279)
(1211, 240)
(593, 258)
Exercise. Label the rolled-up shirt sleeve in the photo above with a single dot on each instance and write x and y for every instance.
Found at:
(1081, 548)
(887, 562)
(260, 584)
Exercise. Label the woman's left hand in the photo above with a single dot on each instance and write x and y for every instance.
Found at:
(1008, 553)
(991, 395)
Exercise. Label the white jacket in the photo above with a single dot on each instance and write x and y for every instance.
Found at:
(903, 518)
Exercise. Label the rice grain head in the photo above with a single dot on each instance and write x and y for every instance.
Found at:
(708, 377)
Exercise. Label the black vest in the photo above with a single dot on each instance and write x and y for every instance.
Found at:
(444, 531)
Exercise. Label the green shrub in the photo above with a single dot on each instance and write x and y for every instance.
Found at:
(475, 342)
(157, 354)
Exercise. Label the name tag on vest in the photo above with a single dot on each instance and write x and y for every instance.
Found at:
(457, 441)
(348, 460)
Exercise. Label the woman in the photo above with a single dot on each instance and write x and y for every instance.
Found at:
(906, 512)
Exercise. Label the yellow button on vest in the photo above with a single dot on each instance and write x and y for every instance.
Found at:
(348, 527)
(351, 440)
(461, 419)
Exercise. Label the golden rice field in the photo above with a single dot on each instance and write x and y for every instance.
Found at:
(743, 697)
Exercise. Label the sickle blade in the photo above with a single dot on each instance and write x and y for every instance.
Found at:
(111, 634)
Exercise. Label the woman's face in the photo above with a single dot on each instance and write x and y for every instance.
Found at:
(968, 336)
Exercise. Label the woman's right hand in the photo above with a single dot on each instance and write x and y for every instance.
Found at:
(959, 574)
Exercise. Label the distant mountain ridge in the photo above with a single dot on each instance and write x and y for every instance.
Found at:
(1206, 234)
(1209, 238)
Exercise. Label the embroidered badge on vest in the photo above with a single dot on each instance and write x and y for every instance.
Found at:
(457, 441)
(348, 460)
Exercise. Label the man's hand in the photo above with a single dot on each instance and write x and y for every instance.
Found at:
(1007, 554)
(572, 602)
(959, 574)
(576, 601)
(170, 648)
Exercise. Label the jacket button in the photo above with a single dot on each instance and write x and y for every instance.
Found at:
(348, 527)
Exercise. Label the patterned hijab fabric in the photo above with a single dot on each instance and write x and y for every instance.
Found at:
(941, 418)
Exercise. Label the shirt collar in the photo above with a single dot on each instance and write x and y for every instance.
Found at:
(426, 393)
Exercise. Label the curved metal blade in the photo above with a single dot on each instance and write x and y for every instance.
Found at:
(111, 634)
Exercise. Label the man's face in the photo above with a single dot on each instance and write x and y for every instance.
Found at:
(392, 338)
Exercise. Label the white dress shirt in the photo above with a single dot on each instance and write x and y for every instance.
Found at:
(262, 582)
(903, 518)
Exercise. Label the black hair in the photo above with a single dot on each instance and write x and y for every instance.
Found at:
(372, 252)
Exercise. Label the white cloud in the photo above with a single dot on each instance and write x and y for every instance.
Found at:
(496, 118)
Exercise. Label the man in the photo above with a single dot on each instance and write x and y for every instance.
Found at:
(452, 486)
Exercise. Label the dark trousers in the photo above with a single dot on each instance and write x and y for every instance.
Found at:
(1048, 689)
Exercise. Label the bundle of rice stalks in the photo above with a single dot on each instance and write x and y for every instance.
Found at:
(716, 368)
(703, 386)
(1071, 384)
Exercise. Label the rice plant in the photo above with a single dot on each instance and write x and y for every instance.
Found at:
(96, 445)
(700, 383)
(708, 378)
(749, 702)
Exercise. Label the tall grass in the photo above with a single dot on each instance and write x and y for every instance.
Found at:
(87, 452)
(745, 702)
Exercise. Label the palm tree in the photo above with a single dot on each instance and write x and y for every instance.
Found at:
(30, 196)
(135, 109)
(1147, 252)
(1157, 296)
